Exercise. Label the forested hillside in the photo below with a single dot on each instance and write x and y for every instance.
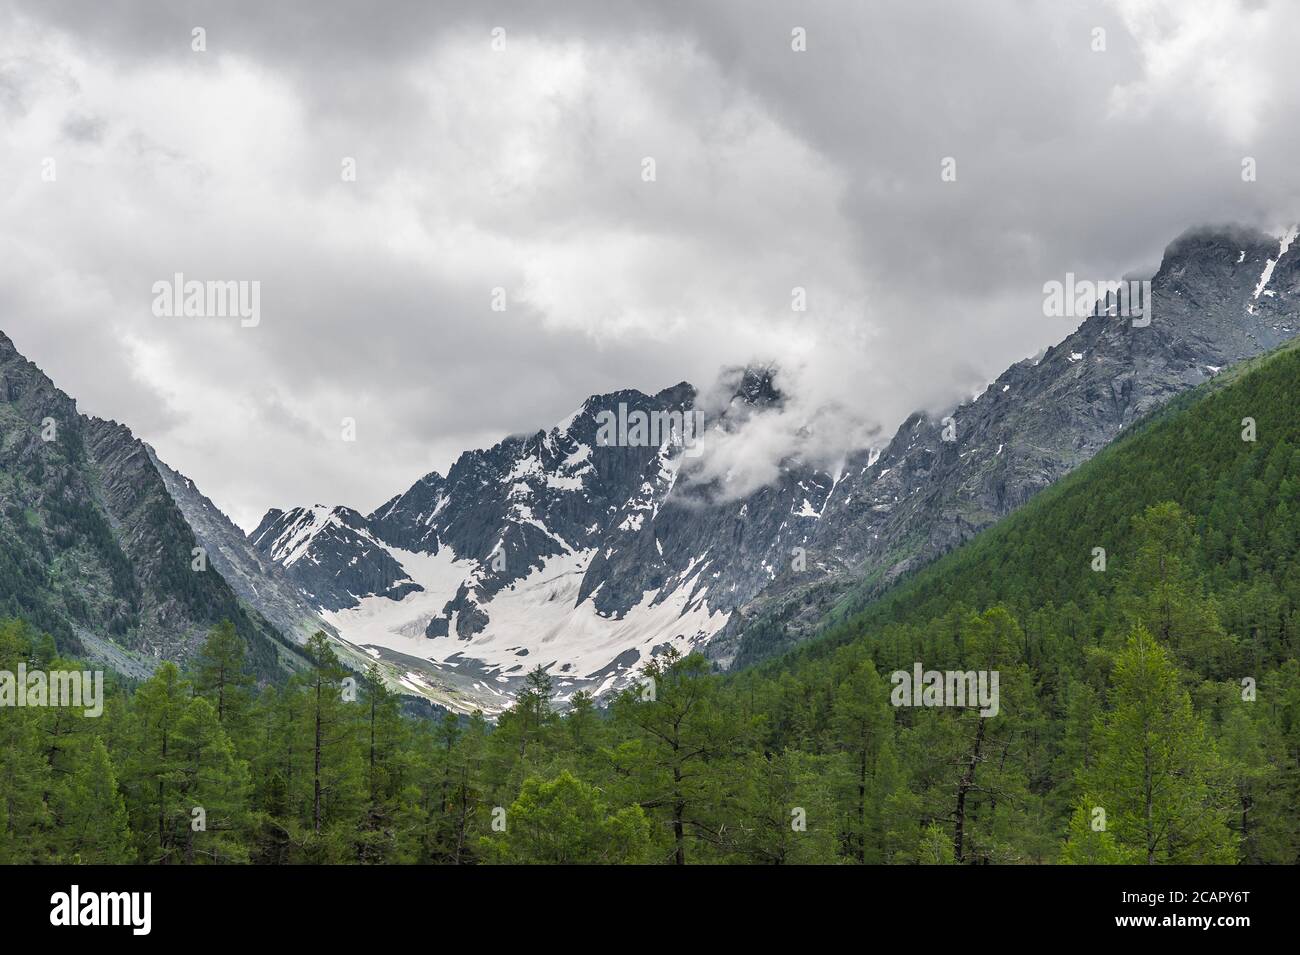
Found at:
(1141, 616)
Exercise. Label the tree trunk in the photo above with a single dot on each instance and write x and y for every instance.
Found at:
(1148, 799)
(460, 827)
(315, 808)
(162, 809)
(679, 814)
(963, 787)
(862, 805)
(374, 796)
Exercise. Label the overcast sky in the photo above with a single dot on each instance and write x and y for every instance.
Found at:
(521, 167)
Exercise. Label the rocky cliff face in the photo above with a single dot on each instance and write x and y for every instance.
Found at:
(92, 547)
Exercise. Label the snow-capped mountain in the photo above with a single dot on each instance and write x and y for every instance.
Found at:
(587, 556)
(507, 561)
(332, 554)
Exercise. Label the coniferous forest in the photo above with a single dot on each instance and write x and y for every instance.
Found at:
(1142, 615)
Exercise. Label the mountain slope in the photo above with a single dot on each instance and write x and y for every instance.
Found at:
(1242, 496)
(260, 583)
(92, 547)
(921, 496)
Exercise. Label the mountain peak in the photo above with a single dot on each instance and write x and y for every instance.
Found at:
(1215, 245)
(753, 385)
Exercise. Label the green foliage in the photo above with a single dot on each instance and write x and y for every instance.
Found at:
(564, 822)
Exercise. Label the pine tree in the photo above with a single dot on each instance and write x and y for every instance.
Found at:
(862, 727)
(334, 779)
(935, 847)
(388, 812)
(564, 821)
(466, 797)
(1257, 754)
(213, 789)
(1157, 776)
(1163, 590)
(783, 810)
(678, 757)
(92, 820)
(533, 707)
(25, 776)
(152, 770)
(1088, 843)
(221, 676)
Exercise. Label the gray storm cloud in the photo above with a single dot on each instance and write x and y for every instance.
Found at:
(521, 169)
